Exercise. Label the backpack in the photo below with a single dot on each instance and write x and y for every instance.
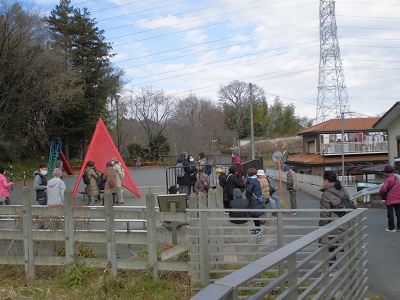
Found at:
(180, 172)
(111, 183)
(86, 179)
(208, 169)
(238, 203)
(345, 204)
(99, 180)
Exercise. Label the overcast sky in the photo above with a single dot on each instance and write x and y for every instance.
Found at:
(197, 46)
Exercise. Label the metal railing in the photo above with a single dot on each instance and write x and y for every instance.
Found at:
(292, 249)
(171, 178)
(354, 148)
(348, 181)
(318, 265)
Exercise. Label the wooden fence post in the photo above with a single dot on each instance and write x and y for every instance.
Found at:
(27, 233)
(69, 226)
(204, 239)
(110, 232)
(194, 245)
(151, 233)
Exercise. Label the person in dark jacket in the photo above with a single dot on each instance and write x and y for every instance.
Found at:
(184, 181)
(238, 202)
(392, 202)
(332, 194)
(253, 191)
(192, 171)
(232, 182)
(40, 184)
(222, 181)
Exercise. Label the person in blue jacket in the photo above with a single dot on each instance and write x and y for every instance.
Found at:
(253, 192)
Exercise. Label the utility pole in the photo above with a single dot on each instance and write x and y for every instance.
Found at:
(117, 96)
(252, 122)
(342, 115)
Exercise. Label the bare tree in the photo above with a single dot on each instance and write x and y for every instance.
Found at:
(153, 109)
(198, 122)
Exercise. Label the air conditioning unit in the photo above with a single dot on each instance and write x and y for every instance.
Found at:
(366, 148)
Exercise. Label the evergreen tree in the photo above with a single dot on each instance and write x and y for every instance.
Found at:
(87, 53)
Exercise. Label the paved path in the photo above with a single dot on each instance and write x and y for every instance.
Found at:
(383, 247)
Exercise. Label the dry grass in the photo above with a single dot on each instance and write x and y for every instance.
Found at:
(83, 282)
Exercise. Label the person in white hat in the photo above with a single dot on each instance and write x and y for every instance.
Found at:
(120, 176)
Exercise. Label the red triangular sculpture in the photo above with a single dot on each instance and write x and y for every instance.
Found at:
(101, 149)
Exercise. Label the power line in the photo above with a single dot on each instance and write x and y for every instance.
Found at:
(183, 13)
(138, 12)
(180, 75)
(233, 58)
(368, 46)
(368, 17)
(214, 41)
(366, 38)
(214, 87)
(214, 49)
(371, 60)
(186, 12)
(369, 28)
(368, 3)
(190, 29)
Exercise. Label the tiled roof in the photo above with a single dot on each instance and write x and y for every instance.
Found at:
(316, 159)
(335, 125)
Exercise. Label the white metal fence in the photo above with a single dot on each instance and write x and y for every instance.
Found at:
(349, 181)
(317, 265)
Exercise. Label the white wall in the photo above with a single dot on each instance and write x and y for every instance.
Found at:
(393, 131)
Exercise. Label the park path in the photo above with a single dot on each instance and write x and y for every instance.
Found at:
(383, 247)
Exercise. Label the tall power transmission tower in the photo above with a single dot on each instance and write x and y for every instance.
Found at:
(332, 95)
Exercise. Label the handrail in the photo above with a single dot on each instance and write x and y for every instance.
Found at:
(229, 285)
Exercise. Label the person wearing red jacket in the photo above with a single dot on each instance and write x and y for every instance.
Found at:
(4, 185)
(238, 163)
(391, 186)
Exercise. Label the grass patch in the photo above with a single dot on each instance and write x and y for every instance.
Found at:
(83, 282)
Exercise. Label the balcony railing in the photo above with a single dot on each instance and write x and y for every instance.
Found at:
(354, 148)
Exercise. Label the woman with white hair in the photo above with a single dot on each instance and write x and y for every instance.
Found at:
(55, 189)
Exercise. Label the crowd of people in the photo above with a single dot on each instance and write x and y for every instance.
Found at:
(51, 192)
(256, 187)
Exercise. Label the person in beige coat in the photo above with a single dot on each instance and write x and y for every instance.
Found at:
(262, 178)
(292, 185)
(110, 178)
(120, 176)
(92, 189)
